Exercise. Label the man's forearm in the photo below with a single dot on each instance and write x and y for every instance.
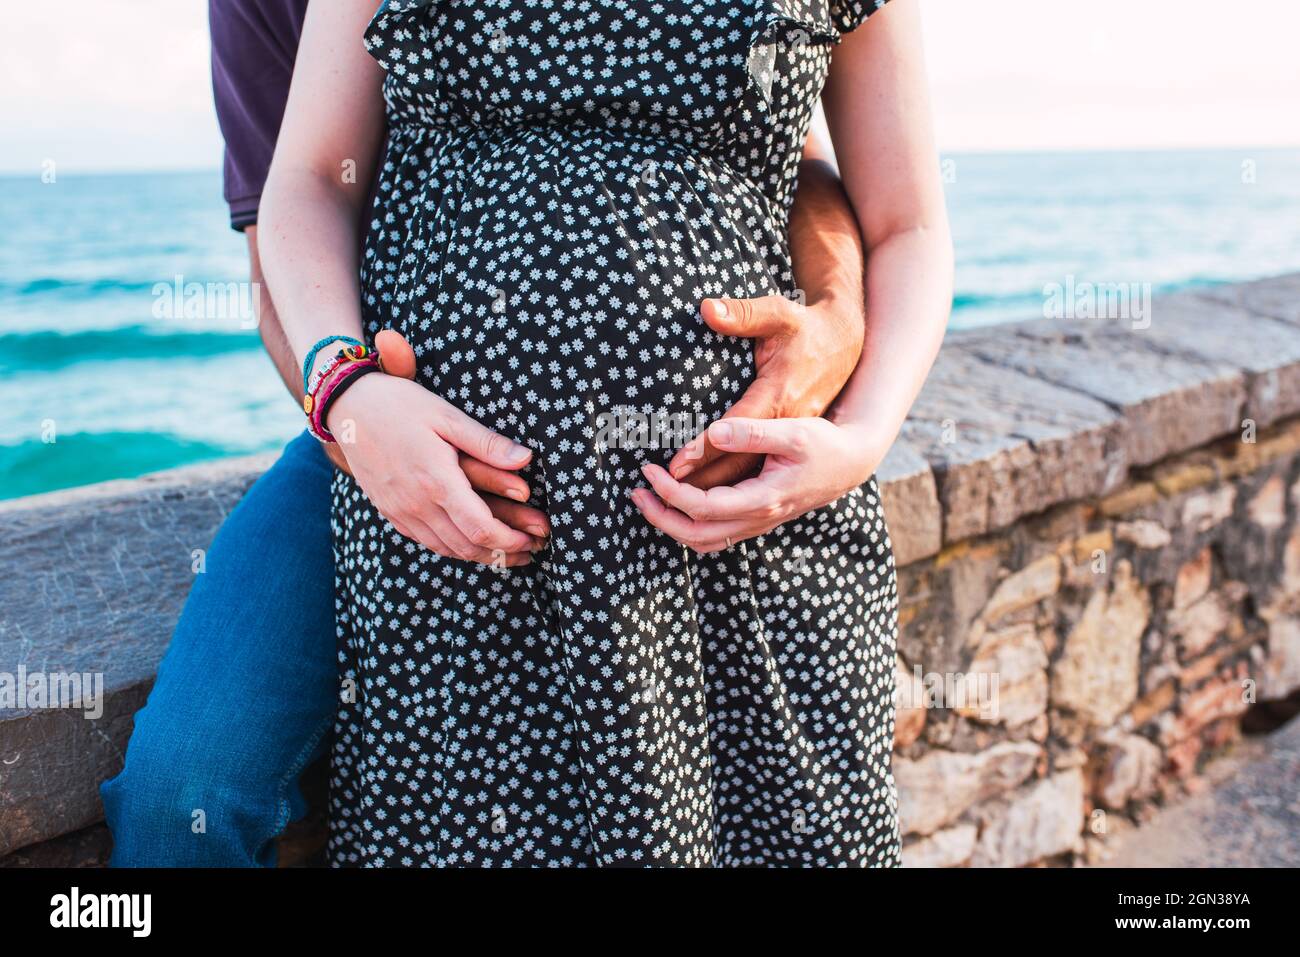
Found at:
(276, 342)
(268, 324)
(825, 242)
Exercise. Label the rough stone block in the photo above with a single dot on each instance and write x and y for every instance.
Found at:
(1224, 697)
(1037, 822)
(911, 503)
(1143, 533)
(1127, 768)
(1004, 444)
(97, 579)
(1194, 578)
(1204, 510)
(1154, 703)
(949, 848)
(1096, 676)
(1277, 297)
(1024, 588)
(1266, 350)
(1199, 624)
(1169, 402)
(1282, 663)
(1267, 507)
(941, 599)
(1018, 661)
(936, 789)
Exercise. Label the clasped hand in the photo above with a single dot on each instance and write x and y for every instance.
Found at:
(449, 482)
(809, 463)
(441, 478)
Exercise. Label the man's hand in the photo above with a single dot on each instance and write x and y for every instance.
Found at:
(804, 356)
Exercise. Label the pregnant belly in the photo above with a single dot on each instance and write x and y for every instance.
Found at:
(554, 277)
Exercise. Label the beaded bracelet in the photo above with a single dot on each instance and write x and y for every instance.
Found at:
(319, 376)
(338, 378)
(311, 356)
(334, 388)
(350, 354)
(312, 405)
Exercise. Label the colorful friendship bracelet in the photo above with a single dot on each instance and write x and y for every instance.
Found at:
(312, 402)
(333, 389)
(341, 385)
(312, 405)
(311, 356)
(337, 378)
(318, 377)
(350, 354)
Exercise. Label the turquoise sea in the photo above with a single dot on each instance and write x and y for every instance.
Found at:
(114, 361)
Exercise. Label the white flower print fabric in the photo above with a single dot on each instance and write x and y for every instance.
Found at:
(564, 181)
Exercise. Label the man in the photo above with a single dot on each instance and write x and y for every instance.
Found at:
(245, 696)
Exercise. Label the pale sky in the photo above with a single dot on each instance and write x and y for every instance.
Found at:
(124, 84)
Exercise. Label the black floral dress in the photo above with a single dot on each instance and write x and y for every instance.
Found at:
(564, 181)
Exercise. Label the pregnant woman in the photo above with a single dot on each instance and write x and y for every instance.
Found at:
(672, 676)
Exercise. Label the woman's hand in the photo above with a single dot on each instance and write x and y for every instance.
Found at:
(405, 448)
(810, 462)
(504, 492)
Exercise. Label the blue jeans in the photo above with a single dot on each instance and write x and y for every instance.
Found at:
(246, 694)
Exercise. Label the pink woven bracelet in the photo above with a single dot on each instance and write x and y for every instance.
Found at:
(326, 370)
(325, 388)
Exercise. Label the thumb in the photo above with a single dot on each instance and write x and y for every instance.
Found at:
(760, 318)
(399, 357)
(772, 436)
(478, 441)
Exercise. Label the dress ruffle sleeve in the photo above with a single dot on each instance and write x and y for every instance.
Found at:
(848, 15)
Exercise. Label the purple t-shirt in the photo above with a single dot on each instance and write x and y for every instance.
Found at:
(254, 43)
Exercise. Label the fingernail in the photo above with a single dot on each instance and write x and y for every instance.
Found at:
(517, 452)
(721, 308)
(519, 495)
(720, 432)
(684, 470)
(537, 531)
(645, 470)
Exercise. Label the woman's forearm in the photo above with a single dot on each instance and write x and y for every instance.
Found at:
(320, 177)
(878, 110)
(309, 255)
(909, 296)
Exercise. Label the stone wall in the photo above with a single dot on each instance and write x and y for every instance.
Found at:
(1086, 658)
(1099, 560)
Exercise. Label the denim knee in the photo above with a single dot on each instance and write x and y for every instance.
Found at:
(165, 811)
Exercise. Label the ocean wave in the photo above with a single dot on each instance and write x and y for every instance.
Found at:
(35, 466)
(978, 300)
(46, 350)
(50, 285)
